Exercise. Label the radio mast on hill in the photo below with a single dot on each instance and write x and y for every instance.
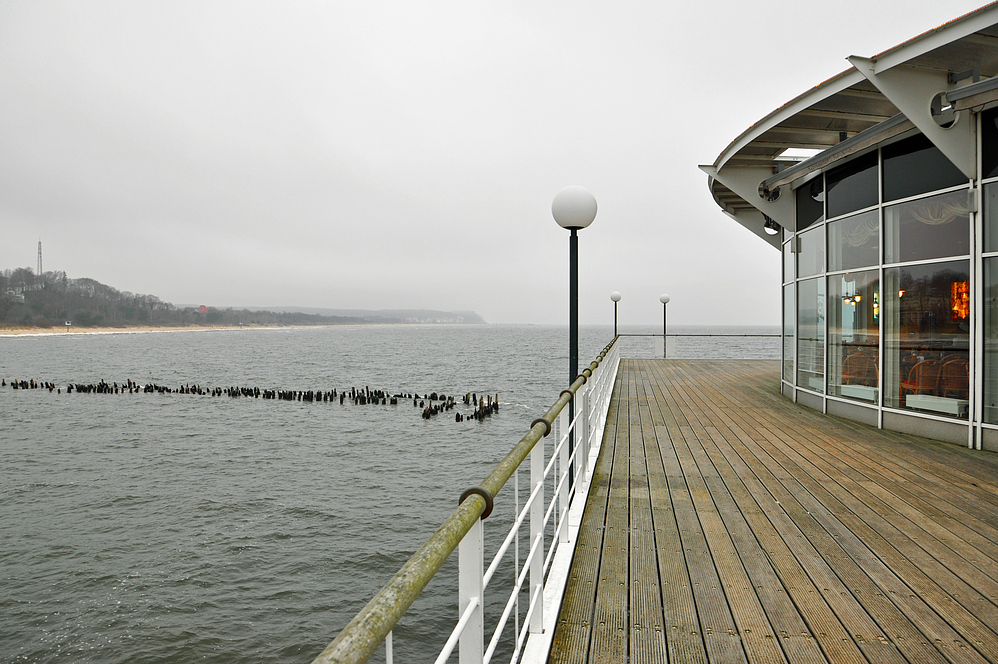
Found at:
(39, 273)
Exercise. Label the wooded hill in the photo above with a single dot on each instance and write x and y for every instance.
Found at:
(52, 299)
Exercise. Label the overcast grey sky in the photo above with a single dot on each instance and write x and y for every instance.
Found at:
(388, 154)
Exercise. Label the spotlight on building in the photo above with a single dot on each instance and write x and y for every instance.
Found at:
(771, 227)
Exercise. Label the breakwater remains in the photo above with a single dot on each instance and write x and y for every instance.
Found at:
(471, 407)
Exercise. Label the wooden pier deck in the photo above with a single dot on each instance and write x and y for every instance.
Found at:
(727, 524)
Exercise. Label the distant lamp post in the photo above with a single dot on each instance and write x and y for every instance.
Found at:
(615, 296)
(664, 299)
(574, 208)
(69, 324)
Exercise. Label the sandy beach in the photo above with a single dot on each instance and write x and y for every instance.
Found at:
(142, 329)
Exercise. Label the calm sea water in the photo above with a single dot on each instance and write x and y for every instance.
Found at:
(180, 528)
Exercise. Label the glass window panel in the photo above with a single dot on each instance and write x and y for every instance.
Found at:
(853, 186)
(854, 241)
(811, 334)
(810, 203)
(991, 217)
(811, 259)
(927, 337)
(916, 166)
(854, 335)
(989, 143)
(789, 314)
(932, 227)
(788, 261)
(991, 340)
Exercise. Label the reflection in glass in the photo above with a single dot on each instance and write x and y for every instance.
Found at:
(991, 340)
(853, 186)
(927, 337)
(932, 227)
(854, 241)
(810, 203)
(915, 166)
(991, 217)
(811, 259)
(788, 333)
(989, 143)
(788, 261)
(811, 334)
(853, 335)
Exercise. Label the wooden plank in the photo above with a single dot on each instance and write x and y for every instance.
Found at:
(909, 562)
(796, 639)
(735, 525)
(684, 639)
(647, 637)
(830, 514)
(722, 640)
(609, 631)
(809, 580)
(781, 482)
(573, 628)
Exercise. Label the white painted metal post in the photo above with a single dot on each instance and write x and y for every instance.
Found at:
(471, 572)
(587, 442)
(537, 532)
(563, 466)
(582, 433)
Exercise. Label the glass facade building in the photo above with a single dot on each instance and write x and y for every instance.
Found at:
(898, 216)
(888, 235)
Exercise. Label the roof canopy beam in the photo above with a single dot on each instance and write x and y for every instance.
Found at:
(912, 91)
(842, 115)
(755, 222)
(872, 136)
(744, 181)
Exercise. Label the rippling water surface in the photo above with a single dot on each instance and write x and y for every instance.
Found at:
(179, 528)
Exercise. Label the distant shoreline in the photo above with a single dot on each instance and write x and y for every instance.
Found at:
(148, 329)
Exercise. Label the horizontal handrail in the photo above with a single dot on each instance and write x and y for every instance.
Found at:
(362, 636)
(699, 335)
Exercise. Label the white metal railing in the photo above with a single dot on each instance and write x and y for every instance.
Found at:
(543, 571)
(587, 428)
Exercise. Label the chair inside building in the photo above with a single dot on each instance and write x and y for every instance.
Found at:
(860, 368)
(954, 378)
(923, 378)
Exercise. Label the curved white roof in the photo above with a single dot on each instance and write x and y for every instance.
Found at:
(833, 116)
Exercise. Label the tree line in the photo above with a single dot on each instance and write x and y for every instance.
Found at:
(51, 299)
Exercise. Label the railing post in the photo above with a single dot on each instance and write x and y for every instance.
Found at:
(582, 429)
(537, 532)
(471, 572)
(587, 427)
(563, 497)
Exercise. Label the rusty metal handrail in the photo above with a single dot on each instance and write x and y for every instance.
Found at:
(362, 636)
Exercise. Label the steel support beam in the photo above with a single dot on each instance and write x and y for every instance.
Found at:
(912, 90)
(745, 181)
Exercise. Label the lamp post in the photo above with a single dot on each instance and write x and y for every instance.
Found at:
(615, 296)
(664, 299)
(574, 208)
